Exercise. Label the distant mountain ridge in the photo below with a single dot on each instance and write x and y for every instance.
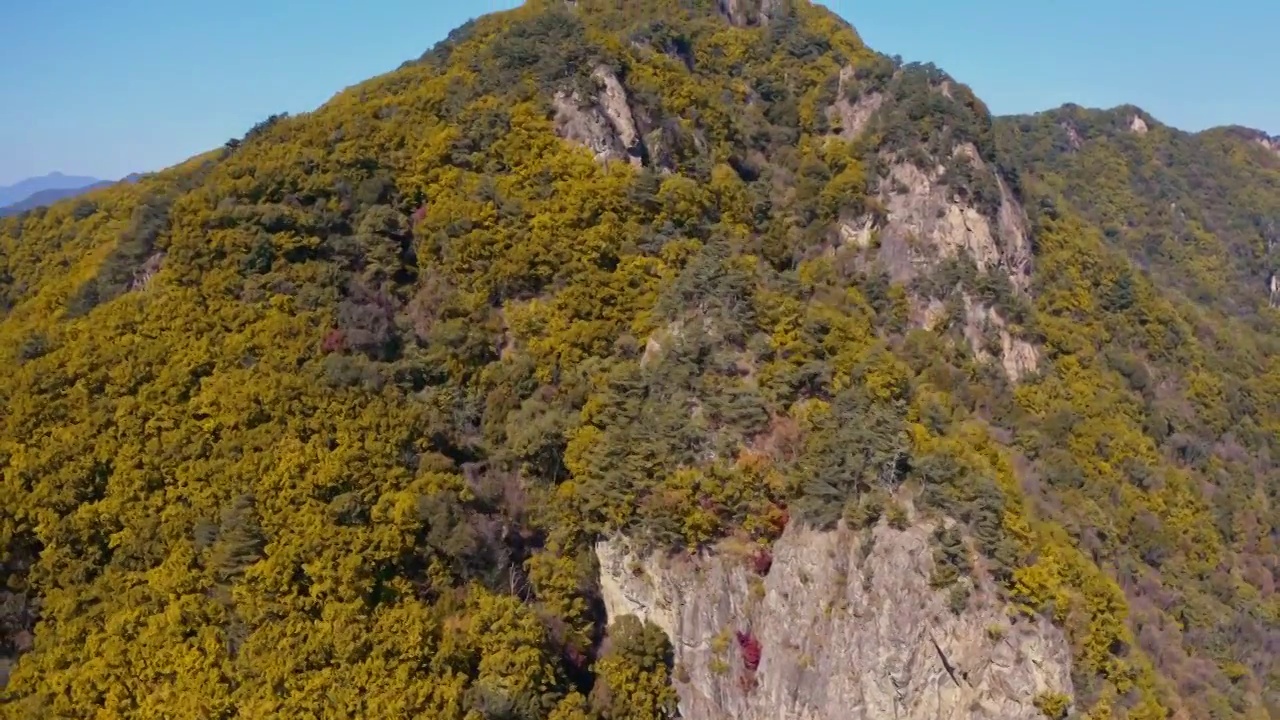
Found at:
(24, 189)
(52, 195)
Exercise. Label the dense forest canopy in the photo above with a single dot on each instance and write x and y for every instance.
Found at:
(324, 422)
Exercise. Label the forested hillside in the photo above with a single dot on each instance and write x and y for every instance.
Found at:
(325, 422)
(1200, 212)
(1127, 201)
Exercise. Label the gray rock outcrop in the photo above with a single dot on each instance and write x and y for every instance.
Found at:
(744, 13)
(843, 627)
(925, 223)
(851, 118)
(603, 123)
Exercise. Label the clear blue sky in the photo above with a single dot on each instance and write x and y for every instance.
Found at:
(107, 88)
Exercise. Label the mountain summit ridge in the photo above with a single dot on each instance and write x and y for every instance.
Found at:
(351, 416)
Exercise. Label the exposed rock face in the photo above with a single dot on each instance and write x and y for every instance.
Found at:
(613, 100)
(585, 124)
(839, 629)
(745, 13)
(142, 278)
(1014, 237)
(1017, 357)
(851, 118)
(926, 223)
(604, 124)
(852, 233)
(1074, 141)
(1138, 125)
(1268, 142)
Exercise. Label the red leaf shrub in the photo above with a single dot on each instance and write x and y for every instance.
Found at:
(335, 341)
(576, 658)
(750, 650)
(762, 561)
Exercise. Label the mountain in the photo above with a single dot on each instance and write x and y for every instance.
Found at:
(53, 181)
(49, 197)
(613, 359)
(1200, 212)
(45, 198)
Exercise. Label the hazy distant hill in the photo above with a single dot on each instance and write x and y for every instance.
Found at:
(24, 189)
(53, 195)
(48, 197)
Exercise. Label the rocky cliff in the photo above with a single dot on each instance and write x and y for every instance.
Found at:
(939, 198)
(925, 224)
(840, 626)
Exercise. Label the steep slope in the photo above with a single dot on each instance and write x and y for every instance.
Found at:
(56, 181)
(1199, 211)
(330, 422)
(1130, 205)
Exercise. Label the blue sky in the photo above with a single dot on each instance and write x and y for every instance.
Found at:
(108, 88)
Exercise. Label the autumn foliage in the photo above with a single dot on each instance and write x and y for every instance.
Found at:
(750, 648)
(326, 421)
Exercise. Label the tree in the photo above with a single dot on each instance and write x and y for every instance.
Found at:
(635, 673)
